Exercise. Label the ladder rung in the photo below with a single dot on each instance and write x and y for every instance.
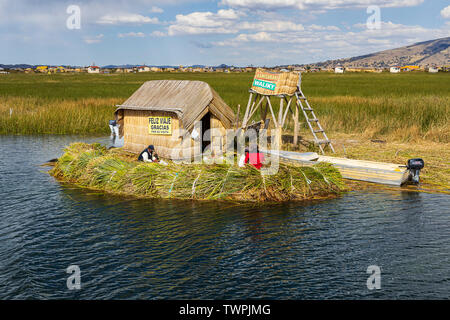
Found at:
(307, 109)
(323, 141)
(313, 120)
(318, 131)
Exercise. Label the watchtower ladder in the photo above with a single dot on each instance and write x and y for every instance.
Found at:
(318, 132)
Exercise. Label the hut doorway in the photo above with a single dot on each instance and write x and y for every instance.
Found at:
(206, 132)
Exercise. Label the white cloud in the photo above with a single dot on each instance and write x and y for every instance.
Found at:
(205, 22)
(155, 9)
(316, 4)
(131, 34)
(95, 39)
(323, 28)
(271, 26)
(158, 34)
(320, 43)
(126, 18)
(445, 13)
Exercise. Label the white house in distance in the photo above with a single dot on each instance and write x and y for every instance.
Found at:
(143, 69)
(339, 70)
(433, 70)
(93, 69)
(394, 69)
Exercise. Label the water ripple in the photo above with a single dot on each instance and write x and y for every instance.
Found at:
(159, 249)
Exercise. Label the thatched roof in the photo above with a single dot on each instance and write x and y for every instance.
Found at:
(188, 99)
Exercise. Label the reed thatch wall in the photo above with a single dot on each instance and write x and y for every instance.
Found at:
(185, 102)
(136, 132)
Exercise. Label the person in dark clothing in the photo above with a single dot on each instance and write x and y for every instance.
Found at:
(148, 155)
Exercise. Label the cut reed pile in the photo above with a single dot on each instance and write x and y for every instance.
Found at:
(93, 166)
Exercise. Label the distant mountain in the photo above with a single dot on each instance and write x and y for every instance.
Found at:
(111, 66)
(428, 53)
(12, 66)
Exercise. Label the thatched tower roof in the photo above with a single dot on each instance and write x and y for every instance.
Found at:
(190, 100)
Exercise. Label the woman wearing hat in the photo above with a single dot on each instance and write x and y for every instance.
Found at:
(149, 155)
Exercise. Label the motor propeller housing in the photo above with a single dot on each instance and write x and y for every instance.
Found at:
(414, 166)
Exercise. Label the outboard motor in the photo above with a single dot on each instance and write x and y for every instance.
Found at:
(414, 166)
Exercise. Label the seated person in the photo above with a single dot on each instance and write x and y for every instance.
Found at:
(243, 158)
(149, 155)
(254, 157)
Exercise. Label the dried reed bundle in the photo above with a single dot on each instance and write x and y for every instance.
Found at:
(92, 166)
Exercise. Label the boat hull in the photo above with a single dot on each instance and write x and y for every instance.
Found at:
(369, 171)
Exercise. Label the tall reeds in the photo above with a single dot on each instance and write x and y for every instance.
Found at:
(29, 115)
(395, 106)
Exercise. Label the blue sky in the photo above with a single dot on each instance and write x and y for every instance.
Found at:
(235, 32)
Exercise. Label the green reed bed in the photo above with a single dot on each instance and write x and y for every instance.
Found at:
(93, 166)
(396, 106)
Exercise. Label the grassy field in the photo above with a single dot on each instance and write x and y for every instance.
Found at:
(398, 107)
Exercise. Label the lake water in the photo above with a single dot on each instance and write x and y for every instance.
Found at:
(155, 249)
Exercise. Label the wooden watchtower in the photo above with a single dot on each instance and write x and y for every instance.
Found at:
(286, 86)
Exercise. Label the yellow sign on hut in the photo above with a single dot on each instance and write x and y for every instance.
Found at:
(160, 125)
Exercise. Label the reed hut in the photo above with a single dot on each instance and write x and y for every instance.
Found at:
(155, 112)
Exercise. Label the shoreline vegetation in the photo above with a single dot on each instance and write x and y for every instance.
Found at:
(408, 112)
(399, 107)
(116, 171)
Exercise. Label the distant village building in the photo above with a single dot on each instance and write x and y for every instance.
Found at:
(339, 70)
(394, 70)
(433, 70)
(410, 68)
(155, 69)
(143, 69)
(42, 69)
(93, 69)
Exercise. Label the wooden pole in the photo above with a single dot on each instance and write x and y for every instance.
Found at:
(288, 107)
(278, 130)
(295, 116)
(254, 110)
(280, 113)
(273, 113)
(248, 108)
(236, 125)
(264, 114)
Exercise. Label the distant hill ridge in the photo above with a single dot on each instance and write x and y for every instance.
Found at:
(428, 53)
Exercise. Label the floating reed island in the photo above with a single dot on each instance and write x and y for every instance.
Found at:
(116, 171)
